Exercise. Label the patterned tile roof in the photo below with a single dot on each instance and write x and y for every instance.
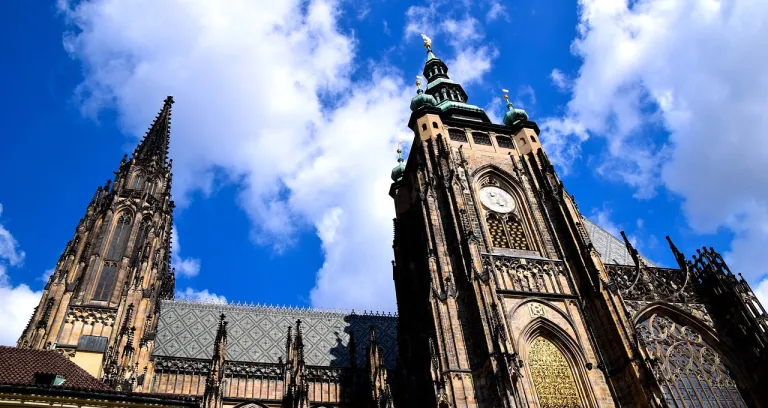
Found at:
(18, 367)
(257, 333)
(611, 249)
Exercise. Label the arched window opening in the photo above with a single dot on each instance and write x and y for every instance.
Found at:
(115, 251)
(434, 125)
(141, 239)
(552, 376)
(688, 370)
(423, 126)
(522, 140)
(119, 240)
(533, 139)
(138, 181)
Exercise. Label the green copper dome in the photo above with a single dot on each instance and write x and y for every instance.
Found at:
(422, 99)
(397, 172)
(514, 115)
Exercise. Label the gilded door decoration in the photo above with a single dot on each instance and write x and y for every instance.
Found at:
(690, 373)
(552, 376)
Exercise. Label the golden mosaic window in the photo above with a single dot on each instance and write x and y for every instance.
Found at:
(689, 371)
(552, 376)
(506, 232)
(498, 233)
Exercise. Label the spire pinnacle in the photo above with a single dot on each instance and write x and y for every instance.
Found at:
(428, 46)
(506, 98)
(154, 145)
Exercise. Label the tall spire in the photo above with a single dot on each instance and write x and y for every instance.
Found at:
(154, 146)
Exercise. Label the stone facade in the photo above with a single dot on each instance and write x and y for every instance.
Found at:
(507, 296)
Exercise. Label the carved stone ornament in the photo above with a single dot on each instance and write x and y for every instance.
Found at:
(537, 309)
(92, 315)
(650, 284)
(688, 370)
(526, 275)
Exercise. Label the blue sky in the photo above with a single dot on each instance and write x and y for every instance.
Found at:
(288, 115)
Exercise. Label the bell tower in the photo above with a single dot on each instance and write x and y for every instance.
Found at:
(101, 305)
(489, 293)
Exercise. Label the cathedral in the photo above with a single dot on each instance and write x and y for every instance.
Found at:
(507, 295)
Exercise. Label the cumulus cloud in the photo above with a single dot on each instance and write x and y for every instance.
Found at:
(559, 79)
(264, 97)
(16, 302)
(695, 69)
(496, 11)
(472, 58)
(187, 267)
(200, 296)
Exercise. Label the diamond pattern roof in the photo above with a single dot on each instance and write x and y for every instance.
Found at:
(611, 249)
(257, 334)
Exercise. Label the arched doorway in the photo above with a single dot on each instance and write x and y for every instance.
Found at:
(552, 376)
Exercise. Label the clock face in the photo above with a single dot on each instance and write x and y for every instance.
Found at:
(496, 199)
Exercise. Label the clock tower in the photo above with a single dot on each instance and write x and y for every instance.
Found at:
(508, 297)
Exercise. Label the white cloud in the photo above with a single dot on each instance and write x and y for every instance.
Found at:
(559, 79)
(249, 79)
(9, 248)
(472, 58)
(761, 291)
(200, 296)
(697, 69)
(47, 274)
(16, 302)
(187, 267)
(496, 11)
(526, 97)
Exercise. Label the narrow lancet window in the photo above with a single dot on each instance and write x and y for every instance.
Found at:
(119, 239)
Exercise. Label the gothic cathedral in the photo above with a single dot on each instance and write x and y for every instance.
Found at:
(507, 296)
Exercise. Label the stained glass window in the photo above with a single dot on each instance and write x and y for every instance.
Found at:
(552, 376)
(689, 371)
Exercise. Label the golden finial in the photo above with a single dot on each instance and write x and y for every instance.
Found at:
(506, 97)
(427, 42)
(418, 81)
(400, 148)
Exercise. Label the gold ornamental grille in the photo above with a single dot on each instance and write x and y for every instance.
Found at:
(552, 376)
(498, 233)
(516, 234)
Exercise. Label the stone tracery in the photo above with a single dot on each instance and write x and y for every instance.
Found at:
(688, 370)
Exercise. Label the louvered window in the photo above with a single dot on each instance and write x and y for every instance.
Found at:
(481, 138)
(457, 135)
(504, 142)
